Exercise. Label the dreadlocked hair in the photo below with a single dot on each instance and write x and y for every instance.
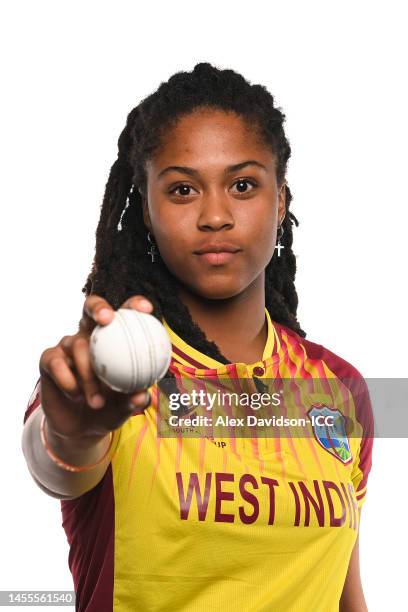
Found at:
(121, 265)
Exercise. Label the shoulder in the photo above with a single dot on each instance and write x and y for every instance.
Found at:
(315, 351)
(317, 361)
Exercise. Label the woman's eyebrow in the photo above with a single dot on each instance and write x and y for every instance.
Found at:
(228, 170)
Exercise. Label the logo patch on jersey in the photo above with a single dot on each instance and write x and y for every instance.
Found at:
(331, 435)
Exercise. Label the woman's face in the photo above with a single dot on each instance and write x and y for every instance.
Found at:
(206, 201)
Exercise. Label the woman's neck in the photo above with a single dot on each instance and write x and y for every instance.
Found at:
(237, 325)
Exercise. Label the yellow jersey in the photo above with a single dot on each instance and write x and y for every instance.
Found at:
(194, 524)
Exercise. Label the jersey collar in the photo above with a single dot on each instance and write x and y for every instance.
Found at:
(191, 360)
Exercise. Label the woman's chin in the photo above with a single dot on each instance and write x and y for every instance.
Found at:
(218, 291)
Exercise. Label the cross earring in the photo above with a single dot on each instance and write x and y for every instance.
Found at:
(153, 247)
(280, 246)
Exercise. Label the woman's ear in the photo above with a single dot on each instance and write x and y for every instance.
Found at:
(282, 203)
(145, 210)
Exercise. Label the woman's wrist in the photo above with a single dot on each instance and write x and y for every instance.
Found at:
(82, 452)
(53, 479)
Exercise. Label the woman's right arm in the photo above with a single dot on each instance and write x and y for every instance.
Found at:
(80, 411)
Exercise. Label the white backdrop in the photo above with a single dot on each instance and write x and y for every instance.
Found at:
(72, 71)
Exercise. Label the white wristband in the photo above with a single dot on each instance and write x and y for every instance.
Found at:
(46, 473)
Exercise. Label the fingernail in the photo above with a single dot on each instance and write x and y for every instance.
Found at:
(145, 304)
(97, 400)
(104, 314)
(141, 399)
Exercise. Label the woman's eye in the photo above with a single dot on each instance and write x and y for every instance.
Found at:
(184, 190)
(242, 185)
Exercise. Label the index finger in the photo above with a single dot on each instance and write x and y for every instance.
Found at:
(96, 311)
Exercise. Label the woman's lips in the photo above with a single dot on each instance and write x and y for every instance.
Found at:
(217, 259)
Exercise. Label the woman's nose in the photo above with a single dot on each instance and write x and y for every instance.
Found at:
(215, 212)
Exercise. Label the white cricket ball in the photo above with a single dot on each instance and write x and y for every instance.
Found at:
(132, 352)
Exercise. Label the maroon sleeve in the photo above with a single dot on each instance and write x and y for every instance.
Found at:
(89, 522)
(363, 462)
(357, 385)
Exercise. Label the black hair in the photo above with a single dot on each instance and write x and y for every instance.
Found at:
(122, 266)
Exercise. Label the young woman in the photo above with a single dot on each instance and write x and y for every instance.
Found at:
(188, 231)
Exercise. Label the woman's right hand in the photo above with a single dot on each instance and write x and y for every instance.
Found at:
(77, 404)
